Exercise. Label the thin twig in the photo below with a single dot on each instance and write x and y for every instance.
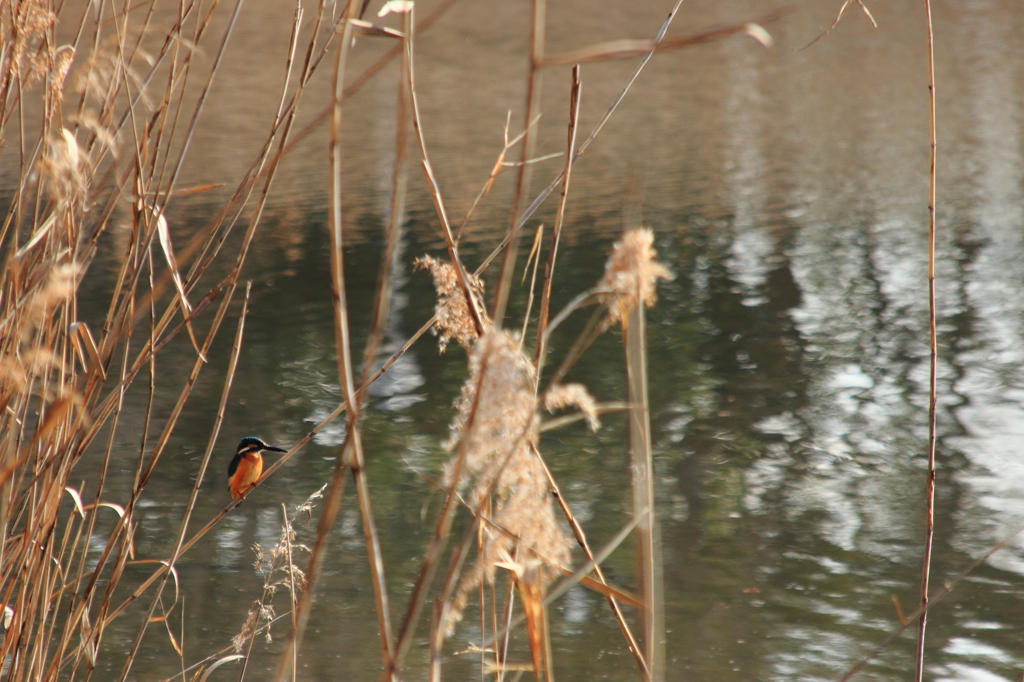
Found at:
(538, 14)
(581, 539)
(933, 344)
(549, 267)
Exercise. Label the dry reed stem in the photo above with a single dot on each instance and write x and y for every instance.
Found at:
(352, 448)
(538, 19)
(629, 49)
(475, 311)
(549, 267)
(70, 186)
(643, 494)
(629, 285)
(388, 265)
(452, 317)
(345, 368)
(933, 346)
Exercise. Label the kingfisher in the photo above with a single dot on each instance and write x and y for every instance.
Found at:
(247, 464)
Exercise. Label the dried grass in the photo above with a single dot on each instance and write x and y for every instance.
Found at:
(112, 137)
(280, 571)
(631, 274)
(563, 395)
(497, 424)
(452, 319)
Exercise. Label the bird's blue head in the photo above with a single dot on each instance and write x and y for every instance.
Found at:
(253, 444)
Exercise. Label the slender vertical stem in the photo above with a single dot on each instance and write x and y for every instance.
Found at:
(292, 588)
(508, 263)
(432, 185)
(581, 539)
(643, 494)
(549, 268)
(933, 359)
(334, 497)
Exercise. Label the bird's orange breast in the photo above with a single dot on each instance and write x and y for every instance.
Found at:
(250, 466)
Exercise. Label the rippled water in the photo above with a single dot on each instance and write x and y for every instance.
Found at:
(789, 358)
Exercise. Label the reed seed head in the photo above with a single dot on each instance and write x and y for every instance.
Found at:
(29, 23)
(60, 287)
(454, 320)
(496, 432)
(631, 274)
(65, 167)
(564, 395)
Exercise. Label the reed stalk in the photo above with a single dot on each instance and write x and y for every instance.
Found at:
(651, 582)
(538, 19)
(933, 354)
(345, 368)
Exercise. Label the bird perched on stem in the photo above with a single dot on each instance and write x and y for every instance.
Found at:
(247, 464)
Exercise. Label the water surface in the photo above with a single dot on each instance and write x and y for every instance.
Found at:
(789, 360)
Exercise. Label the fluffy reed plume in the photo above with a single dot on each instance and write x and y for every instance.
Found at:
(24, 26)
(564, 395)
(497, 424)
(24, 358)
(631, 274)
(453, 320)
(65, 168)
(61, 283)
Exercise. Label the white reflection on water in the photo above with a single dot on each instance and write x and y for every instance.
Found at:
(994, 359)
(821, 654)
(577, 606)
(751, 247)
(228, 536)
(972, 648)
(961, 672)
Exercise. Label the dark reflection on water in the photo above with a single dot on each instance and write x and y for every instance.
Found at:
(789, 365)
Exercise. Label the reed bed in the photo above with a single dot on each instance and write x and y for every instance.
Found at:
(117, 104)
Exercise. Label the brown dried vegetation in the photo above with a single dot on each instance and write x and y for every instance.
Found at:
(495, 434)
(452, 318)
(108, 142)
(631, 274)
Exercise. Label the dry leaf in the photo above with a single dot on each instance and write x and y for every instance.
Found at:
(396, 6)
(78, 500)
(757, 32)
(365, 28)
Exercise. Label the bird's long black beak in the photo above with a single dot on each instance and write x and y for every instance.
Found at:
(272, 448)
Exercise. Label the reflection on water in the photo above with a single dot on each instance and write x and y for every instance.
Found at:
(789, 365)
